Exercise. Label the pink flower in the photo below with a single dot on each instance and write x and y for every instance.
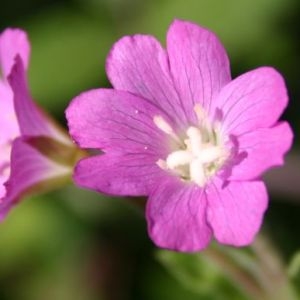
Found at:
(28, 138)
(178, 129)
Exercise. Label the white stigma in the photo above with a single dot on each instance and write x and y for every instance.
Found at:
(200, 153)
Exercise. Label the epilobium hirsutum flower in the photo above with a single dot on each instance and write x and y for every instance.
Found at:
(32, 147)
(178, 129)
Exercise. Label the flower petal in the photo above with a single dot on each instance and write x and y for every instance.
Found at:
(264, 148)
(32, 120)
(254, 100)
(235, 211)
(8, 122)
(198, 62)
(133, 174)
(13, 42)
(3, 178)
(176, 215)
(28, 169)
(138, 64)
(117, 121)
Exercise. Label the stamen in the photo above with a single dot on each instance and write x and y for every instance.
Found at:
(203, 118)
(164, 126)
(162, 164)
(200, 113)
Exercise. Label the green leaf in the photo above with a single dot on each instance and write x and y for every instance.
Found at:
(203, 274)
(294, 267)
(222, 272)
(294, 271)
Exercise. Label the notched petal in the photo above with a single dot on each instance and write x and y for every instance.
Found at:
(13, 42)
(235, 211)
(265, 148)
(253, 100)
(199, 65)
(176, 216)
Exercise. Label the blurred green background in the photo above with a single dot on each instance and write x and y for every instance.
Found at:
(79, 245)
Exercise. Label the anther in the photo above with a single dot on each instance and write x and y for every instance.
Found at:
(164, 126)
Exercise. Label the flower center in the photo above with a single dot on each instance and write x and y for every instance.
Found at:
(199, 154)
